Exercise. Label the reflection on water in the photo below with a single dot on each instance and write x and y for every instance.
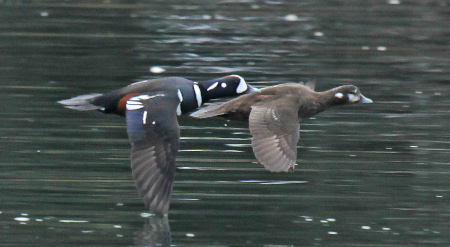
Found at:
(367, 175)
(156, 232)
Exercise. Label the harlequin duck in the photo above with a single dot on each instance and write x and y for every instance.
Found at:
(274, 114)
(151, 108)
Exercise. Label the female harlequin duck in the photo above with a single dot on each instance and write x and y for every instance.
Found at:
(274, 114)
(151, 108)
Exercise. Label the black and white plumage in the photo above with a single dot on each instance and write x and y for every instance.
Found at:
(151, 108)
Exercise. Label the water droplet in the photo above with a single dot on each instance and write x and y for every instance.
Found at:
(291, 17)
(157, 70)
(393, 1)
(22, 219)
(318, 34)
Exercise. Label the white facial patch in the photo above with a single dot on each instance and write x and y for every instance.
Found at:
(223, 85)
(339, 95)
(353, 98)
(214, 85)
(134, 103)
(242, 87)
(198, 95)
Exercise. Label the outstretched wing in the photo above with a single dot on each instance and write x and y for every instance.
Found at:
(212, 110)
(154, 133)
(275, 130)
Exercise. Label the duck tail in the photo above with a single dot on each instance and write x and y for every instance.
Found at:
(81, 102)
(212, 110)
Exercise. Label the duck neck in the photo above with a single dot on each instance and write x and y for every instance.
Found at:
(329, 99)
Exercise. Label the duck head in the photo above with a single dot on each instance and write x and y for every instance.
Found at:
(349, 94)
(227, 86)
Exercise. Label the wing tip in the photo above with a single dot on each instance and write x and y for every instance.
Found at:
(208, 111)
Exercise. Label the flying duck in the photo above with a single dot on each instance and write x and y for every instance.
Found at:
(274, 115)
(151, 108)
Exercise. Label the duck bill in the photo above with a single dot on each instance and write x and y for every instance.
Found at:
(364, 99)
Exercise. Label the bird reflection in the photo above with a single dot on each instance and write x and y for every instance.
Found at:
(156, 232)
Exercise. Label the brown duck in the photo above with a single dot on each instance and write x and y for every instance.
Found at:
(274, 115)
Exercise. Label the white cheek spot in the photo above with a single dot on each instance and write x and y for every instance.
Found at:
(154, 122)
(214, 85)
(223, 85)
(353, 98)
(339, 95)
(144, 117)
(198, 95)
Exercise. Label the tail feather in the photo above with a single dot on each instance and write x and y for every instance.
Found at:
(82, 102)
(212, 110)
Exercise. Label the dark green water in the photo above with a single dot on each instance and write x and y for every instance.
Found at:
(368, 175)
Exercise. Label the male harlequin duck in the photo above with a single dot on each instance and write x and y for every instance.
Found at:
(151, 108)
(274, 114)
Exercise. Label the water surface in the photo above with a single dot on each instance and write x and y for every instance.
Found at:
(367, 175)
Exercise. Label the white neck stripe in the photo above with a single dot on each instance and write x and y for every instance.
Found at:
(198, 94)
(180, 95)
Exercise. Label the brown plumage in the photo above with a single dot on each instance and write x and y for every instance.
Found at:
(151, 108)
(274, 114)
